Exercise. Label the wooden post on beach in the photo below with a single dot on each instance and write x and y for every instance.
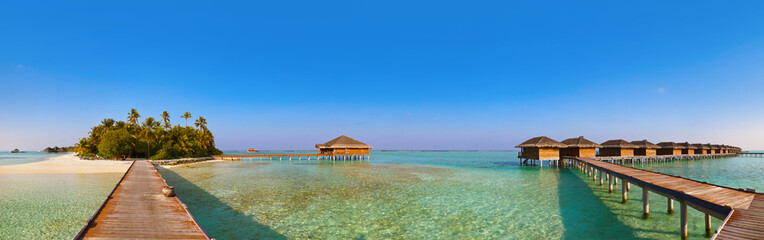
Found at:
(645, 203)
(683, 223)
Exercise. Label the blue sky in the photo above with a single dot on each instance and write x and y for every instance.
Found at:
(480, 75)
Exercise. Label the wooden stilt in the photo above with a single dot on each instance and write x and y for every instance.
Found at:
(670, 206)
(624, 192)
(708, 225)
(610, 184)
(683, 221)
(645, 203)
(600, 178)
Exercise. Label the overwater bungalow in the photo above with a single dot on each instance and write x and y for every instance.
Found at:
(579, 147)
(688, 149)
(669, 148)
(540, 148)
(716, 149)
(645, 148)
(701, 148)
(725, 149)
(618, 148)
(343, 145)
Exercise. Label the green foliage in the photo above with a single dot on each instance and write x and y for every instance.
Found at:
(118, 143)
(157, 139)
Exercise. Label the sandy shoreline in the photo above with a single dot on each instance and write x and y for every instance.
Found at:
(67, 164)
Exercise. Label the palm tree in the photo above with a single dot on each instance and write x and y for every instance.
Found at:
(201, 123)
(149, 125)
(166, 119)
(133, 116)
(186, 115)
(107, 122)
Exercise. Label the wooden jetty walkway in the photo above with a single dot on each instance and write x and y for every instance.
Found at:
(751, 154)
(741, 210)
(289, 157)
(137, 209)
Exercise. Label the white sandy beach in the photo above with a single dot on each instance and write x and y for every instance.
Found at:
(67, 164)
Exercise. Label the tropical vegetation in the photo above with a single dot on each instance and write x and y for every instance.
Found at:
(148, 139)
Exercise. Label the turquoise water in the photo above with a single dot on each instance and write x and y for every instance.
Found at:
(48, 206)
(417, 195)
(736, 172)
(27, 157)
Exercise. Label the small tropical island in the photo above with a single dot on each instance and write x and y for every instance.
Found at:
(151, 139)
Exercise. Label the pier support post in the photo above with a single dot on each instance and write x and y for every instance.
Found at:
(708, 225)
(670, 206)
(624, 192)
(645, 203)
(628, 186)
(683, 223)
(610, 184)
(595, 174)
(600, 178)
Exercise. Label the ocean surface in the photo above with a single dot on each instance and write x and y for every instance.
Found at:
(433, 195)
(395, 195)
(48, 206)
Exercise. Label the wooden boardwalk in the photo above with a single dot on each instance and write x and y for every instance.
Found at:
(742, 211)
(137, 209)
(270, 157)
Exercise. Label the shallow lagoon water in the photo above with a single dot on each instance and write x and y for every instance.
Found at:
(415, 195)
(48, 206)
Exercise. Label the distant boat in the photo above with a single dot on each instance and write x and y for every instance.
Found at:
(15, 151)
(252, 150)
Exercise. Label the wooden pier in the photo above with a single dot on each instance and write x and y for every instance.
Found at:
(741, 210)
(289, 157)
(137, 209)
(750, 154)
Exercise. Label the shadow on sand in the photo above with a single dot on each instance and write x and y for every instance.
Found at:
(583, 213)
(218, 219)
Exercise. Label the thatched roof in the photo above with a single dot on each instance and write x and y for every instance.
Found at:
(580, 142)
(540, 142)
(645, 144)
(343, 142)
(714, 146)
(701, 146)
(618, 143)
(670, 145)
(687, 145)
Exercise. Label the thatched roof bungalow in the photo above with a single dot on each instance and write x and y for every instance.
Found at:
(618, 148)
(645, 148)
(670, 148)
(579, 147)
(716, 149)
(701, 148)
(540, 148)
(343, 145)
(688, 149)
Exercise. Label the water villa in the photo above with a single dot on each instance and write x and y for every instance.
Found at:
(716, 149)
(701, 149)
(617, 148)
(345, 147)
(669, 148)
(688, 148)
(579, 147)
(541, 149)
(645, 148)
